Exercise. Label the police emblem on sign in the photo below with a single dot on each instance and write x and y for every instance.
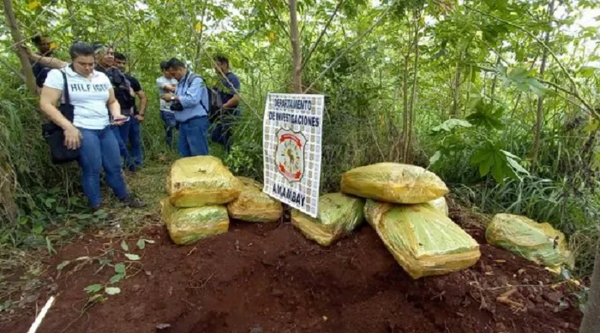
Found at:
(289, 155)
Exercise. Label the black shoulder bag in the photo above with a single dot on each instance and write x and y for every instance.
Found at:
(54, 134)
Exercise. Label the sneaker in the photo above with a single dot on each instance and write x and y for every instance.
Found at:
(133, 202)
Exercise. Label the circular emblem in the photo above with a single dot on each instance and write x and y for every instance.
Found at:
(289, 155)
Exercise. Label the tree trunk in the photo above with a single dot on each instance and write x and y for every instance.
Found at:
(413, 96)
(539, 123)
(456, 94)
(18, 38)
(591, 314)
(405, 115)
(297, 56)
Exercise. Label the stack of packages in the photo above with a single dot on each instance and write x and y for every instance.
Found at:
(203, 193)
(405, 205)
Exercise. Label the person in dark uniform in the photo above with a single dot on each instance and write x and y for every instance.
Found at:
(45, 48)
(229, 91)
(134, 135)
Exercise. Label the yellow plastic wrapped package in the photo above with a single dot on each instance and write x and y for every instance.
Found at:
(537, 242)
(188, 225)
(253, 205)
(422, 239)
(201, 181)
(393, 182)
(440, 204)
(338, 215)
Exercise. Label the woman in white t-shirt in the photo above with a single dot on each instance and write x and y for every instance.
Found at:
(90, 92)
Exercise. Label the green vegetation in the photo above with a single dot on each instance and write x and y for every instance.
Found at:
(497, 97)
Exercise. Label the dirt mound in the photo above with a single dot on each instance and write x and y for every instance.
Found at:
(269, 278)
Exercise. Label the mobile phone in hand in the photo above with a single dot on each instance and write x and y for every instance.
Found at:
(120, 121)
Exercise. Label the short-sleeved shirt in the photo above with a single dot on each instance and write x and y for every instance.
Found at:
(160, 83)
(226, 88)
(137, 87)
(87, 95)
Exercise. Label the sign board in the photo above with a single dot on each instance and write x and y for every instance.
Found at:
(292, 129)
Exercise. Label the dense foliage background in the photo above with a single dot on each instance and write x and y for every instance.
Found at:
(497, 97)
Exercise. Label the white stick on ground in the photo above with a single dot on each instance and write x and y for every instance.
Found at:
(40, 317)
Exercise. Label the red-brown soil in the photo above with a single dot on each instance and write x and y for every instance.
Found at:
(269, 278)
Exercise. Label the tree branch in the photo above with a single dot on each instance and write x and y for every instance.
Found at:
(545, 46)
(314, 46)
(278, 19)
(320, 76)
(574, 94)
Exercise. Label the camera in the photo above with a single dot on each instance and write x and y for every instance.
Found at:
(176, 106)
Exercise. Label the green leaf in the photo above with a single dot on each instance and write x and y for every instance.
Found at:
(63, 265)
(149, 241)
(141, 244)
(120, 268)
(48, 202)
(132, 256)
(450, 124)
(124, 246)
(93, 288)
(435, 158)
(116, 278)
(112, 290)
(484, 167)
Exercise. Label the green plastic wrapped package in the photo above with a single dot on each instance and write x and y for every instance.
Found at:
(252, 205)
(188, 225)
(422, 239)
(393, 182)
(339, 214)
(537, 242)
(201, 181)
(440, 204)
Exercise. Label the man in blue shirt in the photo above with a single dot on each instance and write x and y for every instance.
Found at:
(190, 104)
(229, 91)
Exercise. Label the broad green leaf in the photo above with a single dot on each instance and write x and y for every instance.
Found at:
(124, 246)
(141, 244)
(112, 290)
(450, 124)
(116, 278)
(132, 256)
(435, 158)
(93, 288)
(120, 268)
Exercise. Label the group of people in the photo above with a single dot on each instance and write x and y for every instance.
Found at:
(107, 119)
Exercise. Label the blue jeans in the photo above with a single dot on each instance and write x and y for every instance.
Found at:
(124, 152)
(135, 141)
(170, 123)
(100, 148)
(192, 137)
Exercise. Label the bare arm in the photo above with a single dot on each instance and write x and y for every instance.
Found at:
(48, 61)
(143, 102)
(233, 102)
(113, 105)
(48, 100)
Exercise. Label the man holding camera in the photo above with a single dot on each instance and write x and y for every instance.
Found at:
(190, 105)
